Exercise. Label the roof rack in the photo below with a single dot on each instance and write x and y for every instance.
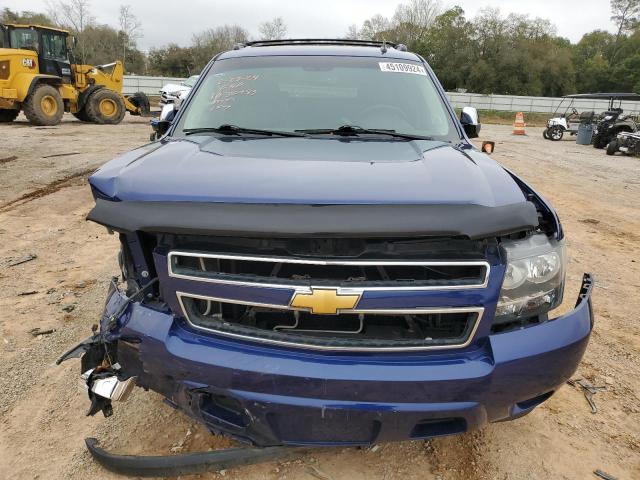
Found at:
(320, 41)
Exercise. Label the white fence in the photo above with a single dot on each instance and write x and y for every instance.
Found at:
(509, 103)
(512, 103)
(148, 85)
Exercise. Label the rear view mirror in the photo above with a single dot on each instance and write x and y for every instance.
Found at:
(470, 122)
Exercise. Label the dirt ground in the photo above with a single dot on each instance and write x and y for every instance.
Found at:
(54, 270)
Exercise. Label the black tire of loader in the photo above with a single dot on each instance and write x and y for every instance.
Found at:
(92, 107)
(81, 115)
(33, 109)
(7, 116)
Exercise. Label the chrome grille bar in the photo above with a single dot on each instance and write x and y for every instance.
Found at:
(478, 311)
(327, 262)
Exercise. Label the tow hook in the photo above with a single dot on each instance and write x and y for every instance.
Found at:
(104, 385)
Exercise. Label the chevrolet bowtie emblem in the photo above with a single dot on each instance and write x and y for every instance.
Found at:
(325, 301)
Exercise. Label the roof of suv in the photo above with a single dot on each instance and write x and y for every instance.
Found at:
(347, 48)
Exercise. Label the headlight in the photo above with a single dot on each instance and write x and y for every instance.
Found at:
(534, 278)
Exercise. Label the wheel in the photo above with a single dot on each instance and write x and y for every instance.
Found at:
(612, 148)
(555, 133)
(600, 141)
(81, 115)
(44, 106)
(7, 116)
(545, 133)
(105, 107)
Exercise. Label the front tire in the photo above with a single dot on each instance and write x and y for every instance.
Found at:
(81, 115)
(555, 133)
(44, 106)
(613, 146)
(105, 107)
(600, 141)
(545, 133)
(7, 116)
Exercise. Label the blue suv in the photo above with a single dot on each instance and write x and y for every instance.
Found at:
(314, 254)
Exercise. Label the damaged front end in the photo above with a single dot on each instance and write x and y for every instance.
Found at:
(102, 376)
(106, 381)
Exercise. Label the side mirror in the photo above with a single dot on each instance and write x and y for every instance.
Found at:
(177, 103)
(159, 127)
(162, 124)
(168, 112)
(470, 122)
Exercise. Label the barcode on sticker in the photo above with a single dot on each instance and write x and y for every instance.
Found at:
(402, 68)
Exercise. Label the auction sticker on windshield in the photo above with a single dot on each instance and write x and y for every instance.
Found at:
(402, 68)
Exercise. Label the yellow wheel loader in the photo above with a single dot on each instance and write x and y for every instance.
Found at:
(38, 76)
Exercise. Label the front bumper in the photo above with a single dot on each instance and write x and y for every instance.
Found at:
(268, 395)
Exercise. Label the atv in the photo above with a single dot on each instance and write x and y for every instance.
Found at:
(611, 125)
(626, 143)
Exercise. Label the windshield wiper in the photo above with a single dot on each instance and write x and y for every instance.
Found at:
(348, 130)
(227, 129)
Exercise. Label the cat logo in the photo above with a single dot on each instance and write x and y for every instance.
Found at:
(28, 62)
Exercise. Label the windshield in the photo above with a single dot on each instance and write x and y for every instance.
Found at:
(54, 46)
(292, 93)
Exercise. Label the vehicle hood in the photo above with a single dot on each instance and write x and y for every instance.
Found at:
(207, 170)
(308, 171)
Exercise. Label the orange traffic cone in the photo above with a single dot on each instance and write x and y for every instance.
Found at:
(518, 125)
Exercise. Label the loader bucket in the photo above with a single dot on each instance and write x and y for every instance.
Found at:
(139, 104)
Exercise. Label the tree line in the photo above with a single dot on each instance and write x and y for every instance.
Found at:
(489, 53)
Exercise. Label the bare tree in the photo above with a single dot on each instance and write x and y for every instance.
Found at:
(352, 32)
(273, 30)
(374, 28)
(625, 14)
(131, 30)
(74, 14)
(207, 43)
(412, 20)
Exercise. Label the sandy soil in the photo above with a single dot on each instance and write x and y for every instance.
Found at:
(44, 199)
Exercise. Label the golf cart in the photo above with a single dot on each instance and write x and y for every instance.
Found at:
(569, 121)
(608, 123)
(625, 143)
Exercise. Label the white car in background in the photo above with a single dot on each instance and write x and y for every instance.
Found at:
(171, 91)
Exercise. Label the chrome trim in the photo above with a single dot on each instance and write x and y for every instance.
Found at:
(479, 311)
(222, 256)
(297, 318)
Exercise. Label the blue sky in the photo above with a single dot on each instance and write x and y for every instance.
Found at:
(176, 21)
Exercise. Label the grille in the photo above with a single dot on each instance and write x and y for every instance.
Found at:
(327, 303)
(370, 330)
